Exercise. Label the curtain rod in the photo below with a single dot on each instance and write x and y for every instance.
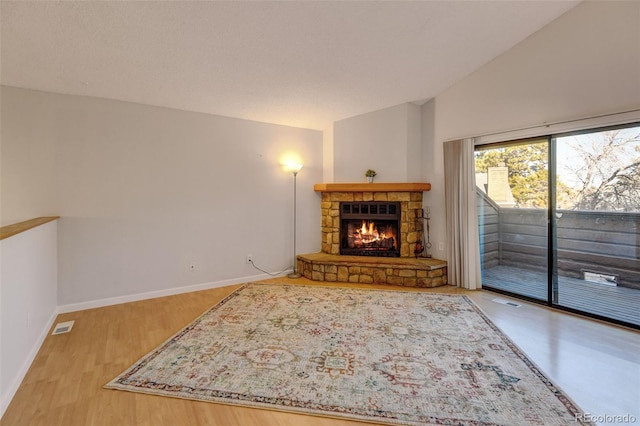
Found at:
(559, 123)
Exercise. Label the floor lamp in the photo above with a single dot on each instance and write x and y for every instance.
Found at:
(294, 168)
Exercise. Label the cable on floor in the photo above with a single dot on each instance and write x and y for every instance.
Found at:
(269, 273)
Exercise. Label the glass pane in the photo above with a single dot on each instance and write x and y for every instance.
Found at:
(597, 223)
(512, 183)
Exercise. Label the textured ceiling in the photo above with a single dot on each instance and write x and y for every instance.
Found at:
(304, 64)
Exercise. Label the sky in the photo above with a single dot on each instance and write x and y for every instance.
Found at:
(569, 158)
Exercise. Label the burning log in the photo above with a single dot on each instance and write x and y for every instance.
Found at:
(367, 236)
(386, 243)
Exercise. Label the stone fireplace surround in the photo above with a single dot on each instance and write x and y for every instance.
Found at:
(406, 270)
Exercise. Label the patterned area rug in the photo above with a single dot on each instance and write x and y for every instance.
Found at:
(381, 356)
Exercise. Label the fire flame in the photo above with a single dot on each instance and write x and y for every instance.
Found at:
(368, 236)
(370, 233)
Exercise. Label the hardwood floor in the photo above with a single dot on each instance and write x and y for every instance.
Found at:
(596, 364)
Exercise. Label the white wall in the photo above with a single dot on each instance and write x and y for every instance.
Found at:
(387, 141)
(28, 302)
(143, 191)
(432, 172)
(27, 163)
(327, 154)
(585, 63)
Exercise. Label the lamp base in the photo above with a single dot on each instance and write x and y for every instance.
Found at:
(294, 275)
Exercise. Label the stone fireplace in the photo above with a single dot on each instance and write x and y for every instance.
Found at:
(369, 232)
(407, 197)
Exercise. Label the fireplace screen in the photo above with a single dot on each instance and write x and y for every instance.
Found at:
(369, 229)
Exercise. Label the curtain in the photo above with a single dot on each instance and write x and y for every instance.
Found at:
(463, 246)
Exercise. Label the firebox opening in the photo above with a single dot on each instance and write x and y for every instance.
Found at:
(369, 229)
(370, 235)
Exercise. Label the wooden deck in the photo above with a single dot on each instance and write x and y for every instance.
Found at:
(618, 303)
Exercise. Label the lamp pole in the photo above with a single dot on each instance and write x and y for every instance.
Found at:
(295, 273)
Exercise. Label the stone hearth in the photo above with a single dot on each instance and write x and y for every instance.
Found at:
(400, 271)
(406, 270)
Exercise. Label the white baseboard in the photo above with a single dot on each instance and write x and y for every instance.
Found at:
(24, 368)
(5, 399)
(73, 307)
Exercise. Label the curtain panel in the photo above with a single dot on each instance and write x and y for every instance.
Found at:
(463, 245)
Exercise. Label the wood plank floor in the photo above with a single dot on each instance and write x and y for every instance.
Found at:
(596, 364)
(619, 303)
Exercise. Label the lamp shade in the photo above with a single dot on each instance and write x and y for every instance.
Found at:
(293, 167)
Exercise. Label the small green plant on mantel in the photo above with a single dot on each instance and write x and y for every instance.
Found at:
(370, 174)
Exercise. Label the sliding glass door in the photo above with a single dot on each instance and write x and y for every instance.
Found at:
(512, 183)
(597, 221)
(559, 221)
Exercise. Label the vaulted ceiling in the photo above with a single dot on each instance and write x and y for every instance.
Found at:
(304, 64)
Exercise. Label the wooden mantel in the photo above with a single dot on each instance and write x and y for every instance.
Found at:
(372, 187)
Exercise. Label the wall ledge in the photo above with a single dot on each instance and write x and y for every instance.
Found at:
(17, 228)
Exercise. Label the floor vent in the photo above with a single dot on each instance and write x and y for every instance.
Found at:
(63, 327)
(506, 302)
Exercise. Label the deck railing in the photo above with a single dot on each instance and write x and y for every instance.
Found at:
(597, 242)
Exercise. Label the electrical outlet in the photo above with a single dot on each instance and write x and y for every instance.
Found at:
(192, 266)
(441, 246)
(249, 258)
